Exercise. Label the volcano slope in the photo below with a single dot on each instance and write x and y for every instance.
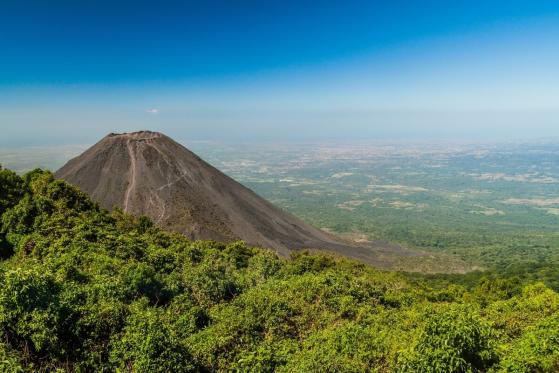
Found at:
(148, 173)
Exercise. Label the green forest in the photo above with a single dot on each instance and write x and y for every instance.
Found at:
(83, 289)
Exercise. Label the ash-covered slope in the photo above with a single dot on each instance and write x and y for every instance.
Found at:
(147, 173)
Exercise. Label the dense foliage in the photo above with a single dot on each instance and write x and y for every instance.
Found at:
(82, 289)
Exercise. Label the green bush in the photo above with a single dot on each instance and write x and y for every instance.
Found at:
(148, 343)
(455, 339)
(348, 347)
(537, 350)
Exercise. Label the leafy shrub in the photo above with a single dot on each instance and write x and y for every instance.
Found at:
(32, 313)
(537, 350)
(148, 344)
(343, 348)
(454, 340)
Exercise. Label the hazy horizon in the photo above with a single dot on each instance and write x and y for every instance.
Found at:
(51, 157)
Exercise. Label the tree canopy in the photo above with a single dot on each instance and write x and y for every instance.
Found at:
(84, 289)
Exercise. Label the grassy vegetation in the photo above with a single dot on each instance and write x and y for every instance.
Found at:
(82, 289)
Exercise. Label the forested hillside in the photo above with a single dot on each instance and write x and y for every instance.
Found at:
(83, 289)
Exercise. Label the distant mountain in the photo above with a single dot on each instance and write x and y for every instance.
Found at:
(147, 173)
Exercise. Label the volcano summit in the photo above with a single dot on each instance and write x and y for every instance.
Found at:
(147, 173)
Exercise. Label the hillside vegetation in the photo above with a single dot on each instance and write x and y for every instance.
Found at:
(82, 289)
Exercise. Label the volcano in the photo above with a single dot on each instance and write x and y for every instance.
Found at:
(148, 173)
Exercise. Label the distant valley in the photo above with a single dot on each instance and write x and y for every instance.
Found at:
(485, 205)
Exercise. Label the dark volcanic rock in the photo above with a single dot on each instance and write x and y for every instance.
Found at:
(147, 173)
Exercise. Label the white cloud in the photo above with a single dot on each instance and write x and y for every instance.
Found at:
(153, 111)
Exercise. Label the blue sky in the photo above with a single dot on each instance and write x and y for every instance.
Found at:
(71, 71)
